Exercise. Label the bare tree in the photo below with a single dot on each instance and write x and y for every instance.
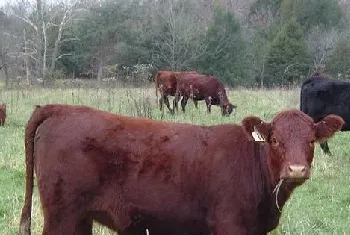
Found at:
(259, 45)
(344, 6)
(240, 8)
(41, 18)
(10, 46)
(3, 47)
(258, 50)
(67, 16)
(321, 43)
(180, 44)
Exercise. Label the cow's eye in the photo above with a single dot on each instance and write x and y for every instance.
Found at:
(312, 143)
(274, 142)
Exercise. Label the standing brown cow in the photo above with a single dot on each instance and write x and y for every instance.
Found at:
(165, 82)
(131, 174)
(203, 87)
(2, 114)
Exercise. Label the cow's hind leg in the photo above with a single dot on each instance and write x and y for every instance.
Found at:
(161, 102)
(195, 102)
(325, 148)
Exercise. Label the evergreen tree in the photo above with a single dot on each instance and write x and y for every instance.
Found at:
(287, 59)
(263, 6)
(226, 51)
(309, 13)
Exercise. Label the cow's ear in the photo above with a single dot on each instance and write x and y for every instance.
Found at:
(326, 128)
(256, 128)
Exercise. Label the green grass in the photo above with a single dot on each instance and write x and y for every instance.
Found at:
(320, 206)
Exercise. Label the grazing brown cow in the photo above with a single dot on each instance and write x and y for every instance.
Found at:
(165, 82)
(203, 87)
(2, 114)
(131, 174)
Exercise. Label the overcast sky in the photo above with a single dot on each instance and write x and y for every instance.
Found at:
(3, 2)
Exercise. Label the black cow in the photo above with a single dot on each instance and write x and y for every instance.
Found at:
(321, 96)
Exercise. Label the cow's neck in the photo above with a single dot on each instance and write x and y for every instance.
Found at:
(271, 207)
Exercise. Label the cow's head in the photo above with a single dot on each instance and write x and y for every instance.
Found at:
(290, 141)
(227, 109)
(3, 107)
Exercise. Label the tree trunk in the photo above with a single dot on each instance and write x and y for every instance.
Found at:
(44, 50)
(5, 68)
(99, 73)
(25, 57)
(262, 76)
(39, 40)
(58, 40)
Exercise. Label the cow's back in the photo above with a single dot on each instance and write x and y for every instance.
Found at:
(201, 85)
(167, 80)
(322, 96)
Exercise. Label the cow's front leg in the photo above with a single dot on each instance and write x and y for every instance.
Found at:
(184, 103)
(167, 103)
(226, 222)
(208, 103)
(228, 230)
(176, 101)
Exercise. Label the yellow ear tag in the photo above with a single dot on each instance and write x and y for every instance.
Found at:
(257, 136)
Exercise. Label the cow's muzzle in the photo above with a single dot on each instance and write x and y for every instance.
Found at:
(296, 172)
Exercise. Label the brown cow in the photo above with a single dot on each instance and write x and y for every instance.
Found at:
(165, 82)
(2, 114)
(131, 174)
(203, 87)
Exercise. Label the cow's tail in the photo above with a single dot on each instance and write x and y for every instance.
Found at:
(39, 115)
(301, 100)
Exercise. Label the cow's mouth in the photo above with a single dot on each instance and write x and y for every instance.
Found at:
(290, 182)
(296, 181)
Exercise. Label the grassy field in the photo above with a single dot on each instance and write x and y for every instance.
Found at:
(320, 206)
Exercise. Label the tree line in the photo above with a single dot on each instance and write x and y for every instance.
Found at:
(246, 43)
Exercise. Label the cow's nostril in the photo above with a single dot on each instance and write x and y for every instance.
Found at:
(297, 171)
(290, 169)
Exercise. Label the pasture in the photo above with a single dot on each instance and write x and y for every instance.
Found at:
(321, 206)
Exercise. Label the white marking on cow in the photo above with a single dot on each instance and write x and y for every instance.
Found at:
(257, 136)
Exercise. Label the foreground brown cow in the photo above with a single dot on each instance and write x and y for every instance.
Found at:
(165, 82)
(203, 87)
(2, 114)
(131, 174)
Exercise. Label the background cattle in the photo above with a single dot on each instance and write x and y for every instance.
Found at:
(165, 82)
(203, 87)
(2, 114)
(321, 96)
(131, 174)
